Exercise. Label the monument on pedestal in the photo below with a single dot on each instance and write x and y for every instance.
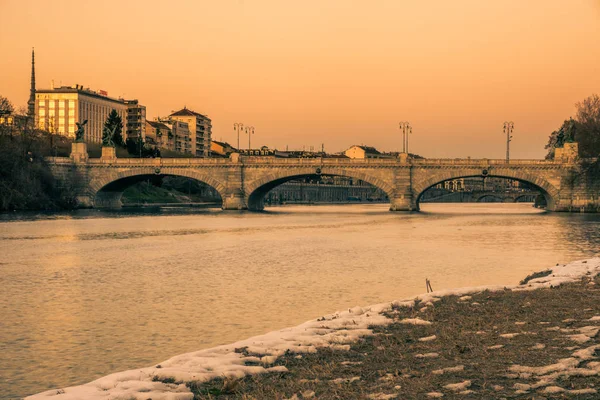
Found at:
(108, 145)
(79, 147)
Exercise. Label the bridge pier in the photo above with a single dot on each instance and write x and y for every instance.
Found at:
(106, 199)
(234, 202)
(403, 203)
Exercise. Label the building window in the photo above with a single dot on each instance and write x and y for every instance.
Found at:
(61, 112)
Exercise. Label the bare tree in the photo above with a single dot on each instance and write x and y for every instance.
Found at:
(588, 134)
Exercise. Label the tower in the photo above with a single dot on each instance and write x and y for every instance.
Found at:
(31, 102)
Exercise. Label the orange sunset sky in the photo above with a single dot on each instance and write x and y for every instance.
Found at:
(338, 72)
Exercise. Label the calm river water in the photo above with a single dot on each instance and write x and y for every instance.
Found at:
(91, 293)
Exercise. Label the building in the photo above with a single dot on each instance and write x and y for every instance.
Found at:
(57, 110)
(169, 134)
(364, 152)
(263, 151)
(135, 125)
(222, 149)
(159, 135)
(200, 128)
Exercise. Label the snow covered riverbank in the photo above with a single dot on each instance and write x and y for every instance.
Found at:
(256, 355)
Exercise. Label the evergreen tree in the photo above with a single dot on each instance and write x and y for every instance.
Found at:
(115, 120)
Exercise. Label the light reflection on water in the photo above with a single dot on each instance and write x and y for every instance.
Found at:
(90, 293)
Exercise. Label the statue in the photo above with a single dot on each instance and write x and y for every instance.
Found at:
(107, 136)
(80, 131)
(570, 135)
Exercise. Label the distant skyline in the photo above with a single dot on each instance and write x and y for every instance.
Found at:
(334, 72)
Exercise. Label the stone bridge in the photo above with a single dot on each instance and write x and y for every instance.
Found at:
(243, 182)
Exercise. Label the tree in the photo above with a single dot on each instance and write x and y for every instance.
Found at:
(114, 121)
(588, 132)
(584, 129)
(6, 107)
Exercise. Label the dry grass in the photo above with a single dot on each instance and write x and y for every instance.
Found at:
(386, 363)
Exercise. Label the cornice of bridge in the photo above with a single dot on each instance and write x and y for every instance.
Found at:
(261, 162)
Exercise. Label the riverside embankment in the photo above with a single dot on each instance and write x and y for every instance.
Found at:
(540, 336)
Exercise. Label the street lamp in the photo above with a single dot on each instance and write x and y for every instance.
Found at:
(509, 126)
(249, 131)
(238, 126)
(406, 130)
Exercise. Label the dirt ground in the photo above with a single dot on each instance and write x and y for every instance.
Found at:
(541, 344)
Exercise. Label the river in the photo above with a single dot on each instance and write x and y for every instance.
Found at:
(89, 293)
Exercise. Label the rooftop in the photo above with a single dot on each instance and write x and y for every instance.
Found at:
(101, 94)
(156, 124)
(187, 112)
(368, 149)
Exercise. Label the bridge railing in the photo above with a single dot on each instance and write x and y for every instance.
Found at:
(478, 162)
(269, 161)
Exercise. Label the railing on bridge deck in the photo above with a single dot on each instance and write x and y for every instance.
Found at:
(269, 160)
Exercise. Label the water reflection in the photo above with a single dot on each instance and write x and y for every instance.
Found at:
(91, 293)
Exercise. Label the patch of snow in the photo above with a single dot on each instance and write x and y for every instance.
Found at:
(442, 371)
(521, 386)
(351, 362)
(414, 321)
(435, 395)
(509, 335)
(496, 347)
(345, 380)
(538, 346)
(553, 389)
(583, 391)
(465, 298)
(427, 355)
(382, 396)
(427, 338)
(458, 387)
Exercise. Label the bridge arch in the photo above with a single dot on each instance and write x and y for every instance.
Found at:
(106, 191)
(525, 198)
(482, 198)
(255, 191)
(549, 191)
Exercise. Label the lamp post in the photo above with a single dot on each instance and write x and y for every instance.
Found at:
(249, 131)
(406, 130)
(509, 126)
(238, 126)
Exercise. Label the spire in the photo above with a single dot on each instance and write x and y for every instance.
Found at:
(31, 102)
